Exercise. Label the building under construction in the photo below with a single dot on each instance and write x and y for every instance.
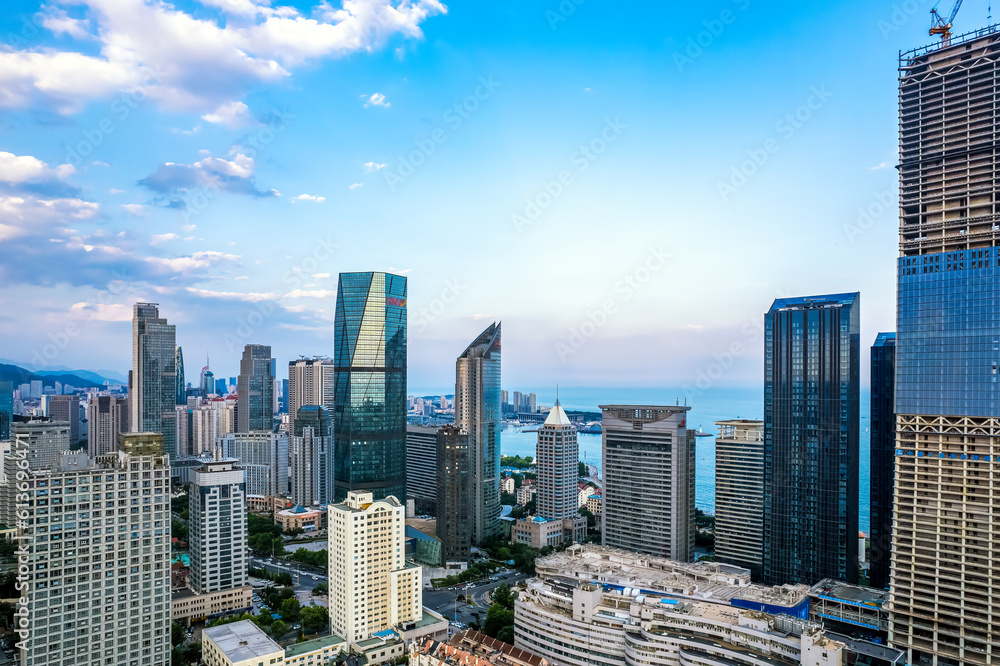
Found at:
(946, 534)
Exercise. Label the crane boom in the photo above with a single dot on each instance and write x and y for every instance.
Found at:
(941, 26)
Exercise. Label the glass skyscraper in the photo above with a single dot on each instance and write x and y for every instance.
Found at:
(811, 392)
(883, 444)
(946, 534)
(6, 408)
(255, 390)
(153, 388)
(370, 385)
(477, 413)
(181, 393)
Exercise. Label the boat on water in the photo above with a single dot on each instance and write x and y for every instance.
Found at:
(702, 433)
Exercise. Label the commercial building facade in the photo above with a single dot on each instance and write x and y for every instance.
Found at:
(422, 468)
(947, 395)
(649, 455)
(370, 385)
(107, 417)
(310, 382)
(153, 381)
(454, 495)
(739, 494)
(255, 390)
(883, 455)
(477, 413)
(218, 527)
(312, 446)
(811, 402)
(263, 456)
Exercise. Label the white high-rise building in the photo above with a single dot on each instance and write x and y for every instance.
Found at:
(372, 588)
(218, 527)
(311, 446)
(210, 421)
(263, 455)
(310, 382)
(98, 579)
(107, 417)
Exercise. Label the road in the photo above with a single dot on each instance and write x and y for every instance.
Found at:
(443, 600)
(303, 579)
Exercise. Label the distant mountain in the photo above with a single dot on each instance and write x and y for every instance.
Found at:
(18, 375)
(98, 376)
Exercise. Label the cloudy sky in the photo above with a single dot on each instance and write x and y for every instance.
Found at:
(627, 186)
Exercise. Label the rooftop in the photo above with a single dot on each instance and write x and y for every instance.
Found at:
(857, 595)
(296, 649)
(242, 640)
(557, 416)
(811, 302)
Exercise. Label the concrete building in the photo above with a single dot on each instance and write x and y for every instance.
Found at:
(739, 494)
(187, 606)
(594, 605)
(120, 612)
(300, 518)
(211, 420)
(507, 485)
(527, 492)
(239, 644)
(648, 455)
(153, 382)
(595, 504)
(66, 408)
(218, 527)
(422, 468)
(44, 441)
(263, 456)
(812, 351)
(310, 382)
(255, 390)
(471, 649)
(945, 533)
(372, 588)
(454, 495)
(477, 413)
(557, 456)
(311, 447)
(107, 417)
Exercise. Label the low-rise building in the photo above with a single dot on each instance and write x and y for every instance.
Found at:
(187, 606)
(239, 644)
(526, 492)
(317, 652)
(507, 485)
(595, 504)
(539, 532)
(299, 517)
(471, 649)
(267, 505)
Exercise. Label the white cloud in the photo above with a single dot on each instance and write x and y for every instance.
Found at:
(115, 191)
(311, 293)
(374, 166)
(21, 215)
(231, 114)
(308, 197)
(100, 163)
(242, 277)
(195, 63)
(377, 99)
(189, 227)
(101, 312)
(25, 168)
(138, 210)
(878, 167)
(321, 276)
(203, 259)
(230, 295)
(354, 186)
(162, 238)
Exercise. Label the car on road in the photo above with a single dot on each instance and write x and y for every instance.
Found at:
(314, 577)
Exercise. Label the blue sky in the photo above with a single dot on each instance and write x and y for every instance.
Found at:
(627, 186)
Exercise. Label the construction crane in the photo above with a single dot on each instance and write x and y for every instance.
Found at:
(941, 26)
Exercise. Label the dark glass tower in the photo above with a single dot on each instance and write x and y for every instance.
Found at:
(811, 393)
(477, 413)
(883, 444)
(370, 385)
(454, 496)
(6, 408)
(153, 385)
(255, 390)
(181, 397)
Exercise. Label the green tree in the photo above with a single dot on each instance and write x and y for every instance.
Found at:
(323, 589)
(518, 480)
(503, 554)
(176, 634)
(503, 596)
(506, 634)
(284, 578)
(591, 518)
(583, 469)
(289, 610)
(497, 617)
(314, 618)
(179, 530)
(278, 629)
